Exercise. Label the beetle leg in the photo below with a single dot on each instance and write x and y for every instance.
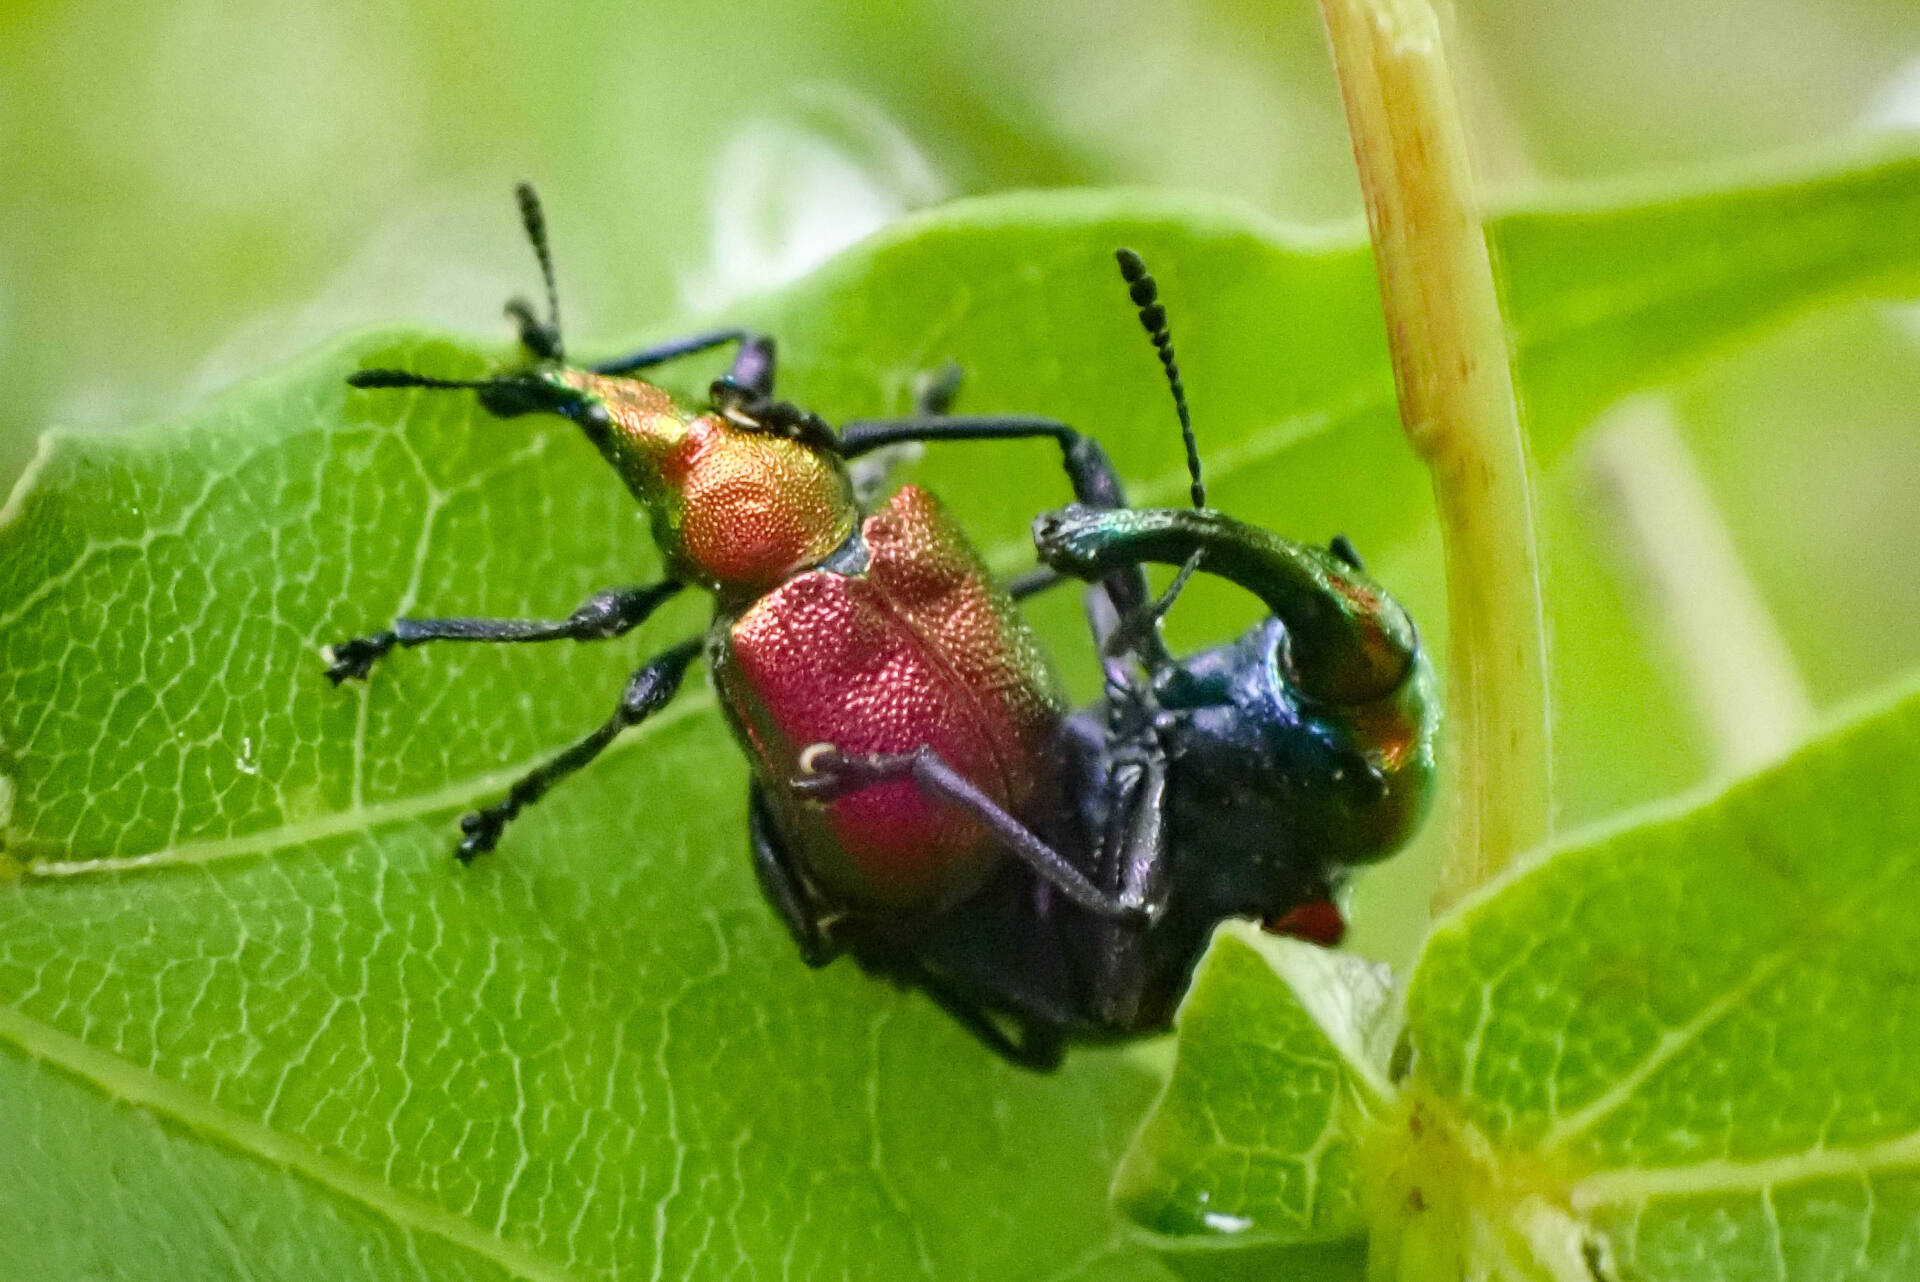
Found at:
(1102, 620)
(648, 690)
(601, 616)
(1095, 482)
(808, 919)
(1128, 634)
(933, 393)
(1035, 581)
(751, 373)
(1040, 1044)
(826, 773)
(1133, 864)
(1040, 1041)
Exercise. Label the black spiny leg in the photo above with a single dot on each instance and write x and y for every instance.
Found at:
(828, 773)
(1039, 1043)
(648, 690)
(1133, 868)
(1035, 581)
(1140, 629)
(1091, 472)
(807, 919)
(751, 374)
(1088, 467)
(1039, 1046)
(601, 616)
(933, 391)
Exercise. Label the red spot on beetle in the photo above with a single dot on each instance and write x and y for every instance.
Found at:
(1318, 921)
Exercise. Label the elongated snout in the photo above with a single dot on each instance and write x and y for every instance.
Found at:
(1348, 642)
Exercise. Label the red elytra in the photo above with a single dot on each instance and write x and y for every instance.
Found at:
(918, 649)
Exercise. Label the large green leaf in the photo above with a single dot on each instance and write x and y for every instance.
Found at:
(251, 1012)
(1708, 1022)
(1679, 1052)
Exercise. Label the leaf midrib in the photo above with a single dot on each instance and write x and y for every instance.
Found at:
(352, 819)
(122, 1082)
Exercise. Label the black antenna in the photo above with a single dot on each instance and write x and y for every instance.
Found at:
(407, 378)
(1146, 296)
(540, 338)
(504, 395)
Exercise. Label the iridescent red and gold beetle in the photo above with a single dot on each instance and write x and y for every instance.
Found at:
(922, 795)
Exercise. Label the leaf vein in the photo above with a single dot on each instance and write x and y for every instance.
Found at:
(121, 1081)
(340, 822)
(1644, 1184)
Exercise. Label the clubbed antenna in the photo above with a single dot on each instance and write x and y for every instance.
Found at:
(542, 338)
(1146, 296)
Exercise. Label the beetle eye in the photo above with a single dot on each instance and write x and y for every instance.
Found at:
(594, 417)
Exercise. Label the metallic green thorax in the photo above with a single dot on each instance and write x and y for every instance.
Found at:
(1348, 641)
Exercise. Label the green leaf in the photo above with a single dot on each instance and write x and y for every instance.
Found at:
(593, 1053)
(1279, 333)
(1221, 1157)
(1706, 1026)
(1681, 1051)
(1316, 1262)
(250, 1011)
(1691, 270)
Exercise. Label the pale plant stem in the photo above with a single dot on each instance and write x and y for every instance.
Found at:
(1450, 359)
(1718, 630)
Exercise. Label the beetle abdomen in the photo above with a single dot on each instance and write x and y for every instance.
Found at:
(920, 650)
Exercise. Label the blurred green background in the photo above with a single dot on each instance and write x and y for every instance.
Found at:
(196, 191)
